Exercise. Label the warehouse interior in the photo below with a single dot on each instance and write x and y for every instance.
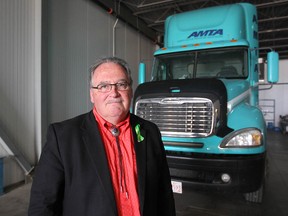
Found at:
(47, 47)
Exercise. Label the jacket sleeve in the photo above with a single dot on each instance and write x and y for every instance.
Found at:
(159, 199)
(48, 181)
(166, 198)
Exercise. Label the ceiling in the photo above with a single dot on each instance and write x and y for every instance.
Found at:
(148, 16)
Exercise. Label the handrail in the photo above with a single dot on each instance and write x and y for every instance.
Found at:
(12, 151)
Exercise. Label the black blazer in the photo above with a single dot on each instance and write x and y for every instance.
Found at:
(73, 178)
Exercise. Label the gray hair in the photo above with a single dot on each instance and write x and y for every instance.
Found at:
(115, 60)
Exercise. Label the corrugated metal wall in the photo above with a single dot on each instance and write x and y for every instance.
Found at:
(20, 53)
(44, 82)
(79, 31)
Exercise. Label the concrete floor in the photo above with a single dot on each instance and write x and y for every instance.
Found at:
(200, 203)
(275, 202)
(15, 202)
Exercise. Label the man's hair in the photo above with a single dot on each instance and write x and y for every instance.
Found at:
(115, 60)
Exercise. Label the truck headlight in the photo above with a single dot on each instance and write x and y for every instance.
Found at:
(248, 137)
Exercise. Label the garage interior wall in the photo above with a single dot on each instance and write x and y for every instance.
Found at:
(278, 94)
(79, 31)
(48, 81)
(20, 86)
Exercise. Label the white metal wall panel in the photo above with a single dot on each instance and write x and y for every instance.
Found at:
(19, 82)
(278, 92)
(67, 58)
(80, 31)
(76, 33)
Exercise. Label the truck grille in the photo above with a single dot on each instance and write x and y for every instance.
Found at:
(179, 117)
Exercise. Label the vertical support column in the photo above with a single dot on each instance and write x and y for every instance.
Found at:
(38, 79)
(1, 176)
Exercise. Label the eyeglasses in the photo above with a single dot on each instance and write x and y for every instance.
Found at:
(120, 86)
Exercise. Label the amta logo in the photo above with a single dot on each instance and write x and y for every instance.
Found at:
(210, 32)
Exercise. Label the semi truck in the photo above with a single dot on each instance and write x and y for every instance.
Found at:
(204, 97)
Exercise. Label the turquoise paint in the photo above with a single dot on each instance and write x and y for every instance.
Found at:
(235, 87)
(226, 26)
(201, 46)
(273, 65)
(229, 26)
(141, 73)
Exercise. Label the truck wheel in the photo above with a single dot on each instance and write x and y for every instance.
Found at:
(255, 196)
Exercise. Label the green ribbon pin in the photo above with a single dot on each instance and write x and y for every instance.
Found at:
(139, 137)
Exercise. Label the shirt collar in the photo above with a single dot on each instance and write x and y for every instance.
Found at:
(106, 124)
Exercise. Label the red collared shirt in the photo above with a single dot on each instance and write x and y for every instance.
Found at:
(125, 181)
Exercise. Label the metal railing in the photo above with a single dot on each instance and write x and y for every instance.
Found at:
(10, 150)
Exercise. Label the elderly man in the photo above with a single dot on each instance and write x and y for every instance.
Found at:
(106, 162)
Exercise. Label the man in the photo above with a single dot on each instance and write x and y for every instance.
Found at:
(107, 162)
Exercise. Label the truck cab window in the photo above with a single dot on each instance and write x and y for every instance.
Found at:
(174, 66)
(224, 63)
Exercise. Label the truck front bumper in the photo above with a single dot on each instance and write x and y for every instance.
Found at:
(197, 171)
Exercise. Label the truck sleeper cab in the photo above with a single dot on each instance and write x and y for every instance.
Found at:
(203, 96)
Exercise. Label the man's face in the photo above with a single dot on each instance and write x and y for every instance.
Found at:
(113, 105)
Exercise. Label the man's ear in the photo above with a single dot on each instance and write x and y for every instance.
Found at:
(91, 96)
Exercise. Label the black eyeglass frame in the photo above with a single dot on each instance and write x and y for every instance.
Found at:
(119, 85)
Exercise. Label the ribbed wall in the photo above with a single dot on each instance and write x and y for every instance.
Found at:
(80, 31)
(20, 77)
(44, 82)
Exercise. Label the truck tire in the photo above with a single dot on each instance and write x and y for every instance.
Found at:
(255, 196)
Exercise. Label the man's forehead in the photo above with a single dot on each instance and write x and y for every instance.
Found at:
(107, 65)
(114, 81)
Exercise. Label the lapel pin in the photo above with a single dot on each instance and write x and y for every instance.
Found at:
(139, 136)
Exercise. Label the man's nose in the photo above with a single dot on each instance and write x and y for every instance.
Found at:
(114, 89)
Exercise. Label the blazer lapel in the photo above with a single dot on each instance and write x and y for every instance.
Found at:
(95, 148)
(140, 150)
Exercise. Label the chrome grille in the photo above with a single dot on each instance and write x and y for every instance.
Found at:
(179, 117)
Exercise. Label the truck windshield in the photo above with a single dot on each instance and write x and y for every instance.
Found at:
(228, 63)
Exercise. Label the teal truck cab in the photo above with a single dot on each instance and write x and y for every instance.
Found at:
(203, 95)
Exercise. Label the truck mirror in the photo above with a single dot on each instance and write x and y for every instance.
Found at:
(261, 70)
(272, 67)
(141, 73)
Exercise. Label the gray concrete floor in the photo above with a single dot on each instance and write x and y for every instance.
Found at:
(200, 203)
(275, 201)
(15, 202)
